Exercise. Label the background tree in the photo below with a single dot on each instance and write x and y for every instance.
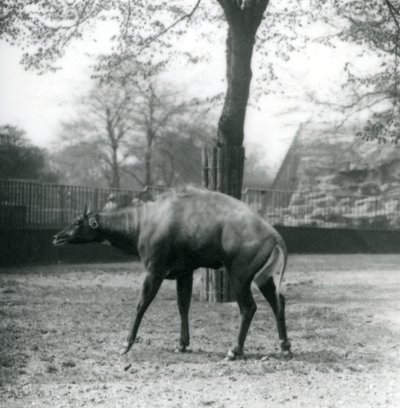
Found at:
(131, 136)
(80, 163)
(378, 26)
(178, 152)
(369, 99)
(146, 32)
(256, 173)
(46, 28)
(19, 159)
(103, 121)
(155, 113)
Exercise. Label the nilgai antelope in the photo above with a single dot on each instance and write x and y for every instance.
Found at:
(186, 229)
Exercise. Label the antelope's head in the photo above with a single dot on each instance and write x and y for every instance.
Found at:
(83, 230)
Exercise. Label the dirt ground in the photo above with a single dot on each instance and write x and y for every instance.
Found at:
(61, 328)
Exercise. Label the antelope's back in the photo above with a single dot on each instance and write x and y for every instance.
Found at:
(198, 218)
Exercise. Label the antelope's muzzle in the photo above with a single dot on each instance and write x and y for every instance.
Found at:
(60, 240)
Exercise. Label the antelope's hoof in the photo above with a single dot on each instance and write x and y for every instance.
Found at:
(233, 355)
(125, 348)
(285, 345)
(287, 354)
(182, 349)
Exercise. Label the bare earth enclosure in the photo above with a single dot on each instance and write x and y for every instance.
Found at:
(62, 327)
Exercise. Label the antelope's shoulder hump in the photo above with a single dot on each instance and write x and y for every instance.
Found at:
(179, 193)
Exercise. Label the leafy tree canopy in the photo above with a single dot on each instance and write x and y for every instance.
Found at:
(19, 159)
(371, 94)
(149, 35)
(145, 42)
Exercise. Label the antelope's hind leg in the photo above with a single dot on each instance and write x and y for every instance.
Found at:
(184, 285)
(247, 307)
(268, 289)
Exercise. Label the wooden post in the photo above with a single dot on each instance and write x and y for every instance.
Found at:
(218, 161)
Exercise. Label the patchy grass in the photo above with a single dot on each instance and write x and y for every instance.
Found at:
(61, 328)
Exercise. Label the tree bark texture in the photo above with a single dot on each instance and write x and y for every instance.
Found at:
(115, 180)
(115, 176)
(148, 160)
(244, 18)
(215, 285)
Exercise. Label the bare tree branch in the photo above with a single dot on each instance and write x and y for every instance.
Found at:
(133, 174)
(393, 13)
(186, 16)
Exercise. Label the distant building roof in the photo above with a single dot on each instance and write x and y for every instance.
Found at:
(286, 177)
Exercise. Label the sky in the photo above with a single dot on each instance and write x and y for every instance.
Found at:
(40, 103)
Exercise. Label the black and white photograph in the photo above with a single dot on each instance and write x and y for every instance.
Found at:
(200, 203)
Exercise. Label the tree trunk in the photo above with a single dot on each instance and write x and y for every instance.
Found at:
(244, 18)
(148, 180)
(239, 50)
(115, 178)
(113, 142)
(215, 283)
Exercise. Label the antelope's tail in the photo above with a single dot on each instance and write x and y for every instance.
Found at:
(274, 268)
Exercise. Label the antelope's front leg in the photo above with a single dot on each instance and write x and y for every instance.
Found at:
(150, 287)
(184, 285)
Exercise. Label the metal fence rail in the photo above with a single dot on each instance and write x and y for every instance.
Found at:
(34, 205)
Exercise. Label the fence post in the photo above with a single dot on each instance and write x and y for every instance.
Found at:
(96, 199)
(62, 206)
(215, 284)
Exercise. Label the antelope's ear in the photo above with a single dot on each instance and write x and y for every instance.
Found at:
(93, 223)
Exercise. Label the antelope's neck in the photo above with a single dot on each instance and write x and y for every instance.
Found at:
(122, 227)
